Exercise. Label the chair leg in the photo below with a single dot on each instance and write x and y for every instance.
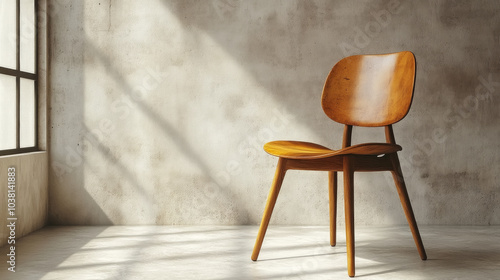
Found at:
(405, 202)
(332, 193)
(271, 200)
(349, 214)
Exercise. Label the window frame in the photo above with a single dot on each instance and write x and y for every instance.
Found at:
(18, 74)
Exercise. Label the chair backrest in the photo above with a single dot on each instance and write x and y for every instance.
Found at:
(370, 90)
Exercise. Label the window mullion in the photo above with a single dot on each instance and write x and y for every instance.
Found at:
(35, 23)
(18, 112)
(18, 68)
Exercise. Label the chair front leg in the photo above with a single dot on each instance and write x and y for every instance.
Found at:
(332, 193)
(349, 213)
(279, 175)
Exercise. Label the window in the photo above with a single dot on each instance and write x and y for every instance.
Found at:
(18, 76)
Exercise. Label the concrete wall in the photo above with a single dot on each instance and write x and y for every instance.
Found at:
(159, 109)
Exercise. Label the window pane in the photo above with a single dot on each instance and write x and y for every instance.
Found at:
(27, 36)
(27, 113)
(7, 112)
(8, 33)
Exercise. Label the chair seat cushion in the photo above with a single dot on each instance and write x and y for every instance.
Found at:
(307, 150)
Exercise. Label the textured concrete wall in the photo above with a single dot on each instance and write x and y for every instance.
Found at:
(31, 194)
(159, 109)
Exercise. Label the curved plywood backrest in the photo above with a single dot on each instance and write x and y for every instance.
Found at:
(370, 90)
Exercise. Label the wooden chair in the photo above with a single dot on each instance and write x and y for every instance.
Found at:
(361, 90)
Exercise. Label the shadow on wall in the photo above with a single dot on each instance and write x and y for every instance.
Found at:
(67, 99)
(76, 140)
(169, 132)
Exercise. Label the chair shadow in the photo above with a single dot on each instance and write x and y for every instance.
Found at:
(298, 257)
(391, 252)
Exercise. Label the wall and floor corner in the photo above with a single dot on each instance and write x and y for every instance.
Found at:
(32, 169)
(158, 111)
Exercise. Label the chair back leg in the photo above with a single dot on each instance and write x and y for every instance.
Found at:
(332, 194)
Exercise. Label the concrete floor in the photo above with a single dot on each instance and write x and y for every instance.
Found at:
(223, 252)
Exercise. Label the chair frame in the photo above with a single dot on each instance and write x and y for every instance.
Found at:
(363, 160)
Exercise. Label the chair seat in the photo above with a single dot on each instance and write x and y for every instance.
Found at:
(307, 150)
